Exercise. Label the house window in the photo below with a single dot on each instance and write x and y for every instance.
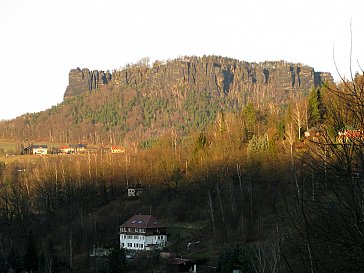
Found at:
(136, 230)
(129, 229)
(130, 244)
(130, 236)
(135, 236)
(141, 246)
(135, 245)
(122, 244)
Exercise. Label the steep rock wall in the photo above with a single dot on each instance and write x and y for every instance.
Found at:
(216, 75)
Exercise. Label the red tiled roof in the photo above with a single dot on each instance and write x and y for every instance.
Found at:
(115, 147)
(143, 221)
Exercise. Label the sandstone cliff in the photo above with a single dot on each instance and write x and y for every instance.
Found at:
(213, 74)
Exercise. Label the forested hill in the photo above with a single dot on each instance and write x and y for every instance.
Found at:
(143, 101)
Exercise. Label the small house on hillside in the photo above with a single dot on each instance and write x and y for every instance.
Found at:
(134, 191)
(313, 134)
(81, 148)
(143, 232)
(39, 149)
(117, 149)
(65, 149)
(346, 135)
(72, 148)
(179, 265)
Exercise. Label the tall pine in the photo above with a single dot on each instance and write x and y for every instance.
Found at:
(316, 108)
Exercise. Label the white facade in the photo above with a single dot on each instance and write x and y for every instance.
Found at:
(40, 151)
(136, 239)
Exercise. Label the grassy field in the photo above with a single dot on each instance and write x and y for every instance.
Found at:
(7, 146)
(8, 152)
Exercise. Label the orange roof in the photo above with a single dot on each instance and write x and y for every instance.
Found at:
(64, 147)
(115, 147)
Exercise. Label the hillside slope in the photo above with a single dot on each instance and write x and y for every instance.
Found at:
(143, 101)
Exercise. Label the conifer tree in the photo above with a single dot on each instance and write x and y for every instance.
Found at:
(315, 107)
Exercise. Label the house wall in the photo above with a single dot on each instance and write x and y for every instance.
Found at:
(40, 151)
(135, 242)
(156, 240)
(141, 242)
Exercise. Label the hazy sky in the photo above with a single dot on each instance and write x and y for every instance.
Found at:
(41, 40)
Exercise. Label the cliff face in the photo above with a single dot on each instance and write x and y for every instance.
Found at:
(84, 80)
(212, 74)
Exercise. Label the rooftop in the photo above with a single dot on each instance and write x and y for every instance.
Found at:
(143, 221)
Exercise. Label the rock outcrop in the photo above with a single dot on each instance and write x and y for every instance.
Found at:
(84, 80)
(211, 74)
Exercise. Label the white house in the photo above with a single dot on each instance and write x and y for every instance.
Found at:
(39, 149)
(143, 232)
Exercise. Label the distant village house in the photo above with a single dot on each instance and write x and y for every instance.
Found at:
(65, 149)
(117, 149)
(39, 149)
(81, 148)
(72, 148)
(346, 135)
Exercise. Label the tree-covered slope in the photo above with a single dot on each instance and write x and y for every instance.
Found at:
(143, 101)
